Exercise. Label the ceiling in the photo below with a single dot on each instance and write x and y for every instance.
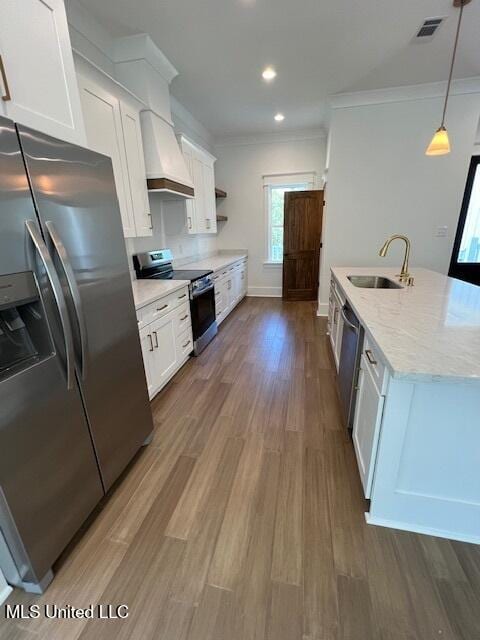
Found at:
(318, 48)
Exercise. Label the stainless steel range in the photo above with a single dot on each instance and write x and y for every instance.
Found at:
(158, 265)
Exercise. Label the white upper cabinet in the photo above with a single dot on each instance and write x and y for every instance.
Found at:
(136, 170)
(103, 124)
(201, 210)
(210, 207)
(38, 83)
(112, 124)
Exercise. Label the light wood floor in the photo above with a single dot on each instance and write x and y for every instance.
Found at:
(243, 520)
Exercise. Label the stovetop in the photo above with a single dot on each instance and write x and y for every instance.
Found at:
(181, 274)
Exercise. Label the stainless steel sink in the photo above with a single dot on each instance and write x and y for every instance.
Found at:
(374, 282)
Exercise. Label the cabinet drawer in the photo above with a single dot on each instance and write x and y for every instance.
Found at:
(375, 364)
(183, 320)
(185, 342)
(161, 307)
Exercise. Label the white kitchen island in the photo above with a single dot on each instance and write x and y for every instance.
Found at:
(417, 418)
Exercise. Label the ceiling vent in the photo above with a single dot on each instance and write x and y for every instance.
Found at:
(428, 29)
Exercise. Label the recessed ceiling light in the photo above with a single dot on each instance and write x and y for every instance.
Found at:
(269, 73)
(279, 117)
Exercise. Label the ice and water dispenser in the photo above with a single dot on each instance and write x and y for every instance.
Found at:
(24, 334)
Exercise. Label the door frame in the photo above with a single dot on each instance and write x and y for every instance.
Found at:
(467, 271)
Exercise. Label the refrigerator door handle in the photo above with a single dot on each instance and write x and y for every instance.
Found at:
(74, 291)
(40, 246)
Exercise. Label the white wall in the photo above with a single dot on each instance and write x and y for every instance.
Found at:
(239, 171)
(380, 182)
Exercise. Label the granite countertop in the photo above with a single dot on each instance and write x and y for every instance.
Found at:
(147, 291)
(427, 333)
(215, 263)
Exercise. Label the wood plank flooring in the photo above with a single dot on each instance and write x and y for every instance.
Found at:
(244, 519)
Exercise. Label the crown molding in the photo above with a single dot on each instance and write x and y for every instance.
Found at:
(294, 135)
(142, 47)
(404, 94)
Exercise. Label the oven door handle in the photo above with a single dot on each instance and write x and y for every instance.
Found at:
(196, 294)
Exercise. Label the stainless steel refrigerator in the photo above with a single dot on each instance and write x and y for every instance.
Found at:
(74, 407)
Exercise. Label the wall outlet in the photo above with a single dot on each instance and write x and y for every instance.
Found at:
(441, 231)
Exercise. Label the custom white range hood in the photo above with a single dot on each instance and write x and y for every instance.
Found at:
(143, 68)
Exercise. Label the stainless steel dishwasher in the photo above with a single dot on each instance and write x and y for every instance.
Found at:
(352, 342)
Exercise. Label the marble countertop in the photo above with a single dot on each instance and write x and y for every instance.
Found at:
(215, 263)
(428, 332)
(147, 291)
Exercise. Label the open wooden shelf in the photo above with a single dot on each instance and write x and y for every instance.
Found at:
(221, 218)
(219, 193)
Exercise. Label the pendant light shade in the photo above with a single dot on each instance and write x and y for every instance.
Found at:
(440, 144)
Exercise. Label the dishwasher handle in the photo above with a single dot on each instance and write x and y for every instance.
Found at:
(352, 326)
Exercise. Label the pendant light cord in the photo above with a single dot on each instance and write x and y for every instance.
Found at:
(452, 64)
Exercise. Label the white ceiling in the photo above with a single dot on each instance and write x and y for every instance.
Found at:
(319, 47)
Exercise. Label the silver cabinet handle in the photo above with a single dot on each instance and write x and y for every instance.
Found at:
(156, 339)
(151, 221)
(186, 344)
(184, 295)
(7, 95)
(151, 342)
(347, 321)
(189, 222)
(162, 308)
(41, 247)
(370, 357)
(74, 291)
(184, 318)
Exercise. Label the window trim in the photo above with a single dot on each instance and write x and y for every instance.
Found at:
(281, 180)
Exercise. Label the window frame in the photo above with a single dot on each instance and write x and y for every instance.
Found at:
(467, 271)
(285, 181)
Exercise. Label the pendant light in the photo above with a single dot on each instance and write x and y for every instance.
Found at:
(440, 144)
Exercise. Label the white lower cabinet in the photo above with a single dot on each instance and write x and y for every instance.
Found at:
(367, 422)
(335, 323)
(230, 288)
(166, 339)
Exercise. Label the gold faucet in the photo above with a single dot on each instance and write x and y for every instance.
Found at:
(403, 276)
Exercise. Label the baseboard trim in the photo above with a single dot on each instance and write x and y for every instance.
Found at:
(322, 310)
(264, 292)
(437, 533)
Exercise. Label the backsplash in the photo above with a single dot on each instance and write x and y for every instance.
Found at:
(170, 232)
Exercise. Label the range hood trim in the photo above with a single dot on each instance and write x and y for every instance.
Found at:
(166, 185)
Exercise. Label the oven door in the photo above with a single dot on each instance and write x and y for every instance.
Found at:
(202, 308)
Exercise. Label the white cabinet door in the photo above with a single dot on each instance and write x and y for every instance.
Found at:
(220, 299)
(366, 426)
(200, 224)
(103, 124)
(190, 203)
(243, 281)
(136, 170)
(210, 207)
(165, 348)
(148, 351)
(37, 58)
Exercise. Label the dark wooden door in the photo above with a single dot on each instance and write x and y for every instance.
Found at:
(301, 244)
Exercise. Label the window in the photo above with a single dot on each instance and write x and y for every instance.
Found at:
(465, 263)
(275, 189)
